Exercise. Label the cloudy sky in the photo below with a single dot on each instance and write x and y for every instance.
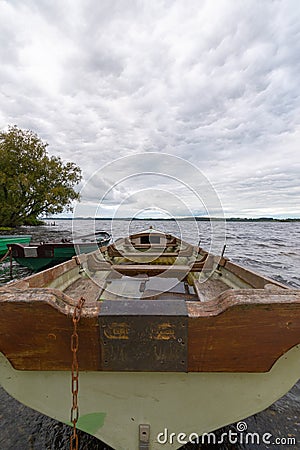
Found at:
(215, 84)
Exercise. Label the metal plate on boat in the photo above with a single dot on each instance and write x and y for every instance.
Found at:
(144, 335)
(30, 252)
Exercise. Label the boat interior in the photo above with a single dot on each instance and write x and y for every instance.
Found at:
(149, 265)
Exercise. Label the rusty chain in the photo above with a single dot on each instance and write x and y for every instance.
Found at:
(75, 373)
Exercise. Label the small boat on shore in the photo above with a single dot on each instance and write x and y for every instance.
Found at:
(48, 254)
(165, 327)
(7, 240)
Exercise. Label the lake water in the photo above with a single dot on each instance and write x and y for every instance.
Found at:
(270, 248)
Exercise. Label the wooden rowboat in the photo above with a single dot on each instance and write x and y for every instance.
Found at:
(166, 327)
(48, 254)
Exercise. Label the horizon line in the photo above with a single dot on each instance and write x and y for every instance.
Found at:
(199, 218)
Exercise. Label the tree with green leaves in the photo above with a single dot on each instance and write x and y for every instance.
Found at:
(32, 183)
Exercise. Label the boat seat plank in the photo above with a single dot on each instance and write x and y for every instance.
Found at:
(142, 246)
(131, 269)
(141, 268)
(150, 254)
(129, 251)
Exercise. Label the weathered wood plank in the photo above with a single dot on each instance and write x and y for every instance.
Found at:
(253, 279)
(36, 328)
(139, 254)
(239, 331)
(242, 331)
(155, 269)
(45, 277)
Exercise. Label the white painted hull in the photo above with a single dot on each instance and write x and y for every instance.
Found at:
(112, 404)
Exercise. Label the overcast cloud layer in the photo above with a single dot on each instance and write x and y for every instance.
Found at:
(213, 82)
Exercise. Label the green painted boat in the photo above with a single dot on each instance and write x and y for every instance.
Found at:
(6, 240)
(48, 254)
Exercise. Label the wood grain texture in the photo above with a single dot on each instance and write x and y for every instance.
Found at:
(45, 277)
(36, 328)
(242, 331)
(238, 331)
(156, 269)
(252, 278)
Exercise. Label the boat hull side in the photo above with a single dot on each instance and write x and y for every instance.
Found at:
(112, 405)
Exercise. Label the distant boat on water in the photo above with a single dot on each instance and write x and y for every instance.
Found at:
(48, 254)
(7, 240)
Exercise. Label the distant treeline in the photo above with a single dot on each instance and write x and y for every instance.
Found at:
(198, 219)
(241, 219)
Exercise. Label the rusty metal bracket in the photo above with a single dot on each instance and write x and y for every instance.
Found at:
(144, 335)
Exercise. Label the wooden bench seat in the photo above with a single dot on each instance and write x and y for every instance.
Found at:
(147, 254)
(155, 269)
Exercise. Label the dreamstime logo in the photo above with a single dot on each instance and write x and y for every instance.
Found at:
(241, 426)
(155, 185)
(240, 436)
